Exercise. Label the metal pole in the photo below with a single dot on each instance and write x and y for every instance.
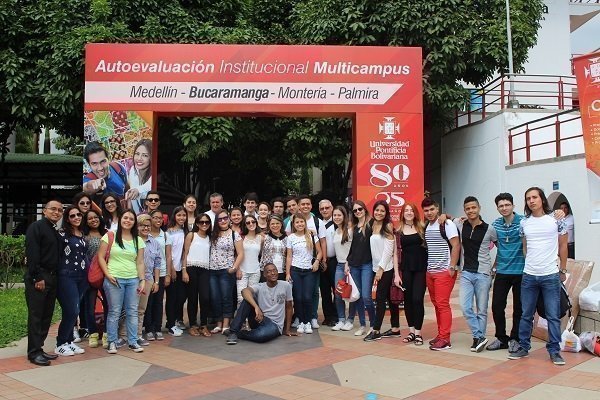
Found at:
(512, 101)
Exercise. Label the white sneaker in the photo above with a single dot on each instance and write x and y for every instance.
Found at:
(76, 349)
(76, 337)
(64, 350)
(296, 323)
(338, 326)
(360, 331)
(300, 328)
(175, 331)
(308, 328)
(314, 324)
(348, 325)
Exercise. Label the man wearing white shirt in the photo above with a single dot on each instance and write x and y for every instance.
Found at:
(327, 276)
(216, 205)
(543, 238)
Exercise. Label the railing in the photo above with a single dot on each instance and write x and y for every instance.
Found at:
(553, 136)
(553, 92)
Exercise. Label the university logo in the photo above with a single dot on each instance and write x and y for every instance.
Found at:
(389, 127)
(594, 70)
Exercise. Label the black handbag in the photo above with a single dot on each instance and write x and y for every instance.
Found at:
(565, 303)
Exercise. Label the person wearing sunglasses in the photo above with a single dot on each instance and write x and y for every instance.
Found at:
(42, 249)
(359, 263)
(227, 253)
(82, 201)
(249, 272)
(72, 280)
(195, 272)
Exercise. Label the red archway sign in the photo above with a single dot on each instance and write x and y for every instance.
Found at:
(128, 86)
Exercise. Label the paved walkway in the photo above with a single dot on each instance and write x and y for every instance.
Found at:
(324, 365)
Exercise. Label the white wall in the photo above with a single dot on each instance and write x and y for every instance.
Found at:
(552, 53)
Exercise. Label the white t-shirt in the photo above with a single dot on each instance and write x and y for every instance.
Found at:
(301, 256)
(329, 232)
(164, 240)
(541, 236)
(438, 251)
(177, 238)
(272, 300)
(310, 225)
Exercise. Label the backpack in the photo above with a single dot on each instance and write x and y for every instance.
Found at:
(445, 236)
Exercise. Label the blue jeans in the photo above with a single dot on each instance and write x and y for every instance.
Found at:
(478, 285)
(303, 287)
(118, 297)
(72, 285)
(363, 277)
(260, 332)
(549, 287)
(221, 293)
(340, 304)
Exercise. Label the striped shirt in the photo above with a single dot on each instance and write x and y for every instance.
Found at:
(509, 258)
(152, 258)
(438, 251)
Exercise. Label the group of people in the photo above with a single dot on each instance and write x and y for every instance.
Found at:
(255, 272)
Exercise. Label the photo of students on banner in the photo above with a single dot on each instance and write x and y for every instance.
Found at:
(118, 157)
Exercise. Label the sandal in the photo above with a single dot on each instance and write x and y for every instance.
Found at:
(411, 337)
(205, 332)
(418, 340)
(194, 331)
(216, 329)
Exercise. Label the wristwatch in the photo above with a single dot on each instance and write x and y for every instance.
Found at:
(563, 271)
(453, 268)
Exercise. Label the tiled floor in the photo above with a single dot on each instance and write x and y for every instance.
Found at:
(325, 365)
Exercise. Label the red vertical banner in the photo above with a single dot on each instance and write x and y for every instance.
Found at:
(587, 71)
(388, 159)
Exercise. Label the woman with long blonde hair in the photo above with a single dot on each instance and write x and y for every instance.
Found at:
(410, 242)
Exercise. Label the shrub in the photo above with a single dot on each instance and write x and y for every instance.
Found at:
(12, 259)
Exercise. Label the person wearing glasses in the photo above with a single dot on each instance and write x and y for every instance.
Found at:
(249, 272)
(359, 264)
(195, 272)
(42, 244)
(72, 280)
(153, 203)
(104, 176)
(227, 253)
(152, 259)
(111, 211)
(82, 201)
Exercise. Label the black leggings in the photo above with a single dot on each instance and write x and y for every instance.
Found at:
(175, 299)
(383, 295)
(198, 292)
(414, 283)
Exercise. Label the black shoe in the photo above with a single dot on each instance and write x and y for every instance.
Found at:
(49, 356)
(391, 334)
(481, 342)
(232, 339)
(40, 360)
(474, 345)
(372, 336)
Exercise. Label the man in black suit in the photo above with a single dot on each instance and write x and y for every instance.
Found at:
(42, 247)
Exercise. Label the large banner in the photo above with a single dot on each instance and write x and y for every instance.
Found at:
(587, 71)
(127, 86)
(246, 78)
